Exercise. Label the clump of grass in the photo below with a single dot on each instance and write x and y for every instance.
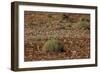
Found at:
(53, 46)
(83, 25)
(31, 24)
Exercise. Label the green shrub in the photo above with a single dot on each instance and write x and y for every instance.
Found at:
(53, 46)
(84, 25)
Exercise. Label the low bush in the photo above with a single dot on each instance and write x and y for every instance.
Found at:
(53, 46)
(84, 25)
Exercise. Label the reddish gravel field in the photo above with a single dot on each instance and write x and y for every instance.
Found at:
(72, 30)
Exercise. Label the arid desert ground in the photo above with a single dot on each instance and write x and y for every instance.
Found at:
(56, 36)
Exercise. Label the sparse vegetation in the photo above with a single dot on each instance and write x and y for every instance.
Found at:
(83, 25)
(56, 36)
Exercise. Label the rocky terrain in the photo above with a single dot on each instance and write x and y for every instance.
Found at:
(72, 30)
